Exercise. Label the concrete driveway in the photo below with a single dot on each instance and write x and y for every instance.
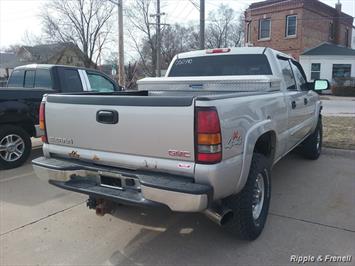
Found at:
(312, 213)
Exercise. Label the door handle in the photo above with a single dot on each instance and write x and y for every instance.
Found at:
(305, 100)
(107, 117)
(293, 104)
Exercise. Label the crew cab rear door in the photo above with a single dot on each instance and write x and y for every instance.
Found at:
(295, 105)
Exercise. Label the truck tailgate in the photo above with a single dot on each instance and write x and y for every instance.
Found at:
(152, 126)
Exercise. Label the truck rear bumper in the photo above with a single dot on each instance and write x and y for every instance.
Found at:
(152, 189)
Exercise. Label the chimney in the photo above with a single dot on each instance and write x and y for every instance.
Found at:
(338, 7)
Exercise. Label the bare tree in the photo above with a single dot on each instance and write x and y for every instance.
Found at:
(31, 39)
(177, 39)
(12, 48)
(142, 33)
(83, 22)
(224, 28)
(139, 25)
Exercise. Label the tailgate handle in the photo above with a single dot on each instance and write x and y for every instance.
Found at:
(107, 117)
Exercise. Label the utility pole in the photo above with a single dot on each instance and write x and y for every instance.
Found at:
(158, 25)
(202, 24)
(121, 70)
(158, 40)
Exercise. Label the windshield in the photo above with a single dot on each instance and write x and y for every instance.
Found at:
(221, 65)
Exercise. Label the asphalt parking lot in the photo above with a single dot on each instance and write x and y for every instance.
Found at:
(312, 213)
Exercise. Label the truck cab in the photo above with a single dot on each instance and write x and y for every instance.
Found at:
(20, 101)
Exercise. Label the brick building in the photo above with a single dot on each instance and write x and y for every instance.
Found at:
(294, 26)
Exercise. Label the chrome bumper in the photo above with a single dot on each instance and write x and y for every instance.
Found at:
(178, 193)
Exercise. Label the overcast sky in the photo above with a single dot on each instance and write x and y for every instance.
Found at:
(19, 16)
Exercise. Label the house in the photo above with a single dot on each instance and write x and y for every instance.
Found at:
(328, 61)
(295, 26)
(58, 53)
(8, 61)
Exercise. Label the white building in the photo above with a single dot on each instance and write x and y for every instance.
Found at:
(328, 61)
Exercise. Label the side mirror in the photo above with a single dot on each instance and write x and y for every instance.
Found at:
(321, 85)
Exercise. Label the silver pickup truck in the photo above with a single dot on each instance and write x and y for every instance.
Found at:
(201, 139)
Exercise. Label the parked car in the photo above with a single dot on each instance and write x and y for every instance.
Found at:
(20, 101)
(202, 139)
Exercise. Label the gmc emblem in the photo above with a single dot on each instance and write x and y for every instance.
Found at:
(175, 153)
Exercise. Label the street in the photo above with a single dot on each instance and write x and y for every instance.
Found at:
(312, 213)
(341, 107)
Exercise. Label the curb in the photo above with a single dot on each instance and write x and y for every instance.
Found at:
(339, 152)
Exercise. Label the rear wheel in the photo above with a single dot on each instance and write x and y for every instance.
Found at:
(15, 146)
(251, 205)
(311, 147)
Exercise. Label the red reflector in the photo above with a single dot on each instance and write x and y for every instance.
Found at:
(207, 121)
(209, 157)
(218, 51)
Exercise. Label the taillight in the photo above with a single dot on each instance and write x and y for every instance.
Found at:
(42, 122)
(208, 136)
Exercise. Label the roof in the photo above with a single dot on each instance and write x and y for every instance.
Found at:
(46, 51)
(8, 60)
(313, 4)
(233, 50)
(264, 3)
(49, 66)
(330, 49)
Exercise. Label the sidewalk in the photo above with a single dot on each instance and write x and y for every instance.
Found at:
(336, 98)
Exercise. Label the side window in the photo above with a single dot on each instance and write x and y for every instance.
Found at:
(99, 83)
(70, 80)
(29, 79)
(16, 79)
(287, 74)
(300, 80)
(43, 79)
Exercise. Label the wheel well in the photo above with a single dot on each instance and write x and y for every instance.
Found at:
(266, 144)
(28, 127)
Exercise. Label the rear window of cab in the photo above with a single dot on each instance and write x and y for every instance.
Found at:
(221, 65)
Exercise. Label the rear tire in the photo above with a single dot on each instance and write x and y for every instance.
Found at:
(15, 146)
(311, 147)
(251, 205)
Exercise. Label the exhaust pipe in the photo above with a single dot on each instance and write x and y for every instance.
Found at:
(219, 214)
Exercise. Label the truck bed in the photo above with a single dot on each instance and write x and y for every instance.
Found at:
(146, 98)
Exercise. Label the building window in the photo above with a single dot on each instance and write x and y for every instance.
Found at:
(341, 70)
(264, 29)
(291, 26)
(315, 71)
(249, 32)
(347, 38)
(331, 30)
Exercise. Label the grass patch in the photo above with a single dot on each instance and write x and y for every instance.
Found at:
(339, 132)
